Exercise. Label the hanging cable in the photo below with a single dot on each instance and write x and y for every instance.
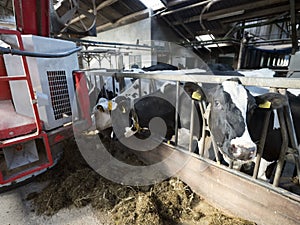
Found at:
(38, 54)
(206, 8)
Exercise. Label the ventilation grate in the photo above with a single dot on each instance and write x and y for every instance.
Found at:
(59, 93)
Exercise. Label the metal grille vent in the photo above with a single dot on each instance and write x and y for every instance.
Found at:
(59, 93)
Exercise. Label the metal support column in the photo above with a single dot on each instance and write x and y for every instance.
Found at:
(293, 25)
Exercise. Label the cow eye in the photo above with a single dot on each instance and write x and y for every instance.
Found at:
(218, 104)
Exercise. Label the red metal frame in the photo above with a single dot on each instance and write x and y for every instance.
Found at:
(33, 17)
(82, 96)
(39, 133)
(4, 86)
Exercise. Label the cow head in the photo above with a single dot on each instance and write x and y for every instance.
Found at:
(230, 103)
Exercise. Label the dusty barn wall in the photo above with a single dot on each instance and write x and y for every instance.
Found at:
(135, 33)
(162, 31)
(148, 31)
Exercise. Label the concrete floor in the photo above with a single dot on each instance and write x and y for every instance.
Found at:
(16, 210)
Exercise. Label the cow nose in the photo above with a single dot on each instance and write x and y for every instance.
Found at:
(242, 152)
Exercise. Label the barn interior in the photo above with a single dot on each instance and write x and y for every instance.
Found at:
(216, 31)
(114, 39)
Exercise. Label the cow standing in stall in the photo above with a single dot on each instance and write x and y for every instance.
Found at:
(235, 120)
(132, 116)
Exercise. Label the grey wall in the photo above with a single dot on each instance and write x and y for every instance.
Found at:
(161, 31)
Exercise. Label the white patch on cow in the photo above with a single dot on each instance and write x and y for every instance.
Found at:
(255, 91)
(276, 124)
(239, 97)
(102, 119)
(264, 72)
(295, 92)
(184, 138)
(262, 169)
(129, 132)
(104, 103)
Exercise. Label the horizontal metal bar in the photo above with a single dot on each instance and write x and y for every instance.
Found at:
(278, 82)
(12, 78)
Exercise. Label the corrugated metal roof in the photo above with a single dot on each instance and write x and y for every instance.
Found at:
(188, 17)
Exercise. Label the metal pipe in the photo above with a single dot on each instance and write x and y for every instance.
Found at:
(176, 113)
(185, 8)
(293, 137)
(192, 126)
(261, 144)
(204, 127)
(38, 54)
(293, 26)
(205, 78)
(140, 87)
(240, 59)
(284, 147)
(216, 151)
(114, 85)
(110, 44)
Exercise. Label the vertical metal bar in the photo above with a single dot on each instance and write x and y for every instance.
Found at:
(176, 112)
(215, 147)
(292, 136)
(284, 147)
(114, 85)
(293, 25)
(242, 46)
(262, 143)
(292, 133)
(204, 126)
(290, 127)
(140, 87)
(192, 126)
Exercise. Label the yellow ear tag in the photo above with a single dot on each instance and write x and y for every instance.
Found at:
(109, 105)
(265, 105)
(196, 95)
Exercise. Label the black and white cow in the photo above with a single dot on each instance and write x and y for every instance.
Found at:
(105, 104)
(235, 120)
(273, 142)
(229, 106)
(159, 104)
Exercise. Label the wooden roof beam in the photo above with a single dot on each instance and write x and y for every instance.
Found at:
(99, 7)
(261, 13)
(124, 20)
(247, 6)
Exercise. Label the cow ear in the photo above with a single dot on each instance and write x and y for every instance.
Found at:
(194, 91)
(251, 101)
(271, 100)
(209, 91)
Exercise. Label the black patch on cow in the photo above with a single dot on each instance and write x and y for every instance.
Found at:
(150, 107)
(134, 95)
(160, 66)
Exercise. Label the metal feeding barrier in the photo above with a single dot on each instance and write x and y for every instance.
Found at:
(276, 211)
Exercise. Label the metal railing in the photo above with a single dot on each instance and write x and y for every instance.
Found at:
(274, 85)
(38, 133)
